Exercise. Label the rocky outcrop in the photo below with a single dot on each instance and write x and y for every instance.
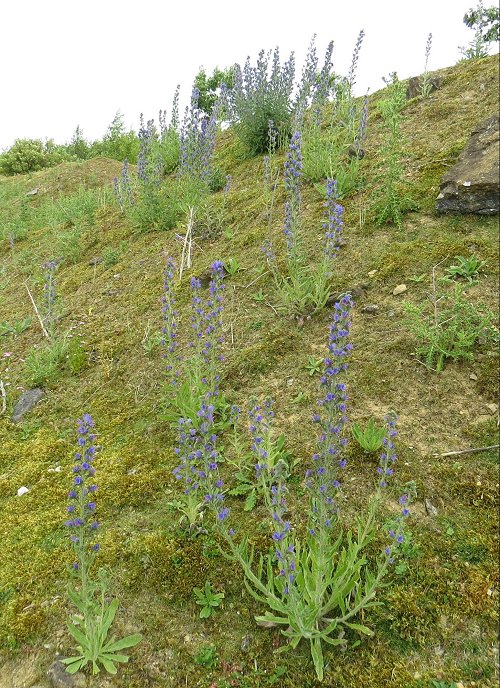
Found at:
(414, 88)
(472, 185)
(26, 402)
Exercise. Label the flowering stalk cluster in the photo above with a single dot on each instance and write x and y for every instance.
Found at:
(198, 468)
(197, 142)
(323, 478)
(123, 188)
(305, 290)
(170, 322)
(316, 586)
(82, 506)
(49, 293)
(149, 162)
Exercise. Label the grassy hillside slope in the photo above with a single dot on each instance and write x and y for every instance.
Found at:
(439, 614)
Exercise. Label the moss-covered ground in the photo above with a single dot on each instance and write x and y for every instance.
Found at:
(439, 617)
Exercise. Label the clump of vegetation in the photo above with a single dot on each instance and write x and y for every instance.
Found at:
(391, 197)
(91, 626)
(334, 129)
(268, 93)
(208, 600)
(370, 439)
(31, 155)
(486, 24)
(448, 326)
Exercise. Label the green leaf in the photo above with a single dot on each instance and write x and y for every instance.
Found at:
(78, 636)
(108, 665)
(359, 628)
(108, 618)
(74, 664)
(129, 641)
(76, 599)
(317, 657)
(205, 613)
(240, 489)
(113, 657)
(250, 501)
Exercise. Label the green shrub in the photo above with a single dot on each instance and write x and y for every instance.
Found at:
(31, 155)
(44, 365)
(117, 144)
(449, 326)
(391, 197)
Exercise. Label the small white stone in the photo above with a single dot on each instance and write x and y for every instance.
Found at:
(467, 183)
(400, 289)
(473, 376)
(372, 273)
(22, 491)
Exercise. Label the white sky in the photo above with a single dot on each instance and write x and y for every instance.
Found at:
(69, 62)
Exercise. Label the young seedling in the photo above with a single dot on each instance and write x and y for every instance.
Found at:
(208, 600)
(369, 439)
(468, 268)
(314, 365)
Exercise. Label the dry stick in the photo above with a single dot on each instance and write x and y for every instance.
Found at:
(46, 334)
(256, 279)
(186, 246)
(469, 451)
(3, 395)
(433, 298)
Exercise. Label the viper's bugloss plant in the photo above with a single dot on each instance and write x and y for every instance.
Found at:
(305, 290)
(90, 627)
(195, 378)
(425, 82)
(198, 469)
(317, 584)
(333, 135)
(391, 198)
(268, 92)
(49, 296)
(196, 172)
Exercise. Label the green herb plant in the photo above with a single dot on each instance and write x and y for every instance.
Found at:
(391, 196)
(448, 326)
(208, 600)
(314, 365)
(370, 439)
(467, 268)
(90, 627)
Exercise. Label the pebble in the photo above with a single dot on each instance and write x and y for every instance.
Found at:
(245, 643)
(492, 408)
(372, 273)
(430, 508)
(473, 376)
(400, 289)
(372, 309)
(22, 491)
(59, 678)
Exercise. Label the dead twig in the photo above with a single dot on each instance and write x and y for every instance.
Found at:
(3, 396)
(187, 244)
(46, 334)
(469, 451)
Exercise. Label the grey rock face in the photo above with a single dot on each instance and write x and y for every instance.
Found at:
(472, 185)
(414, 87)
(26, 402)
(59, 678)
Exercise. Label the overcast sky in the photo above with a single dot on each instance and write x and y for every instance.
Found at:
(69, 62)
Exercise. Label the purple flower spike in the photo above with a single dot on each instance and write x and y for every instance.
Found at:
(80, 507)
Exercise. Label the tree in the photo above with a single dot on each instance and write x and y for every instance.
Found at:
(486, 19)
(486, 24)
(208, 86)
